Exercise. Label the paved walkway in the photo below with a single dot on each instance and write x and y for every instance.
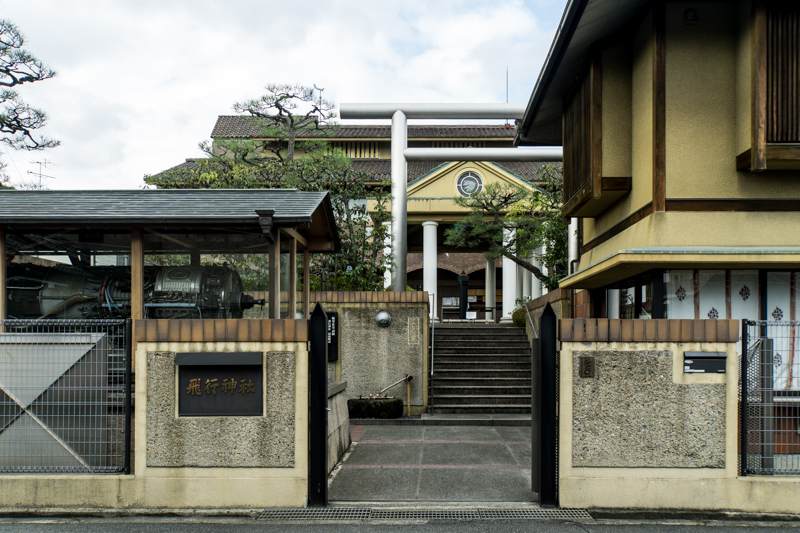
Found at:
(435, 463)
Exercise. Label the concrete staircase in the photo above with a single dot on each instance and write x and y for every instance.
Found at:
(480, 369)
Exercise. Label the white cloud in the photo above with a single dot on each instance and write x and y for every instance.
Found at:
(141, 82)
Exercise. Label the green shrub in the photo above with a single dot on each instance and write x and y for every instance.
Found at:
(518, 317)
(375, 407)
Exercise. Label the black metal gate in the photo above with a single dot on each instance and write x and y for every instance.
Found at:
(544, 416)
(770, 398)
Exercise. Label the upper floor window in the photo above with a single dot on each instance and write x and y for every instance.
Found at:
(776, 88)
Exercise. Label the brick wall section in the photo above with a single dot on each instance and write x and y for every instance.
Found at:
(582, 305)
(220, 330)
(644, 330)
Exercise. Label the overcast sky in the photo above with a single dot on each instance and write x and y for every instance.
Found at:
(141, 82)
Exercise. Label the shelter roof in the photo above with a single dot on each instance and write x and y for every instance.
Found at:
(245, 127)
(584, 23)
(310, 212)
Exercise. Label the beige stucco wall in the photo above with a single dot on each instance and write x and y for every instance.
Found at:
(151, 487)
(706, 120)
(640, 110)
(704, 229)
(744, 83)
(616, 105)
(661, 487)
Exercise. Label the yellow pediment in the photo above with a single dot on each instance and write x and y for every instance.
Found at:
(443, 182)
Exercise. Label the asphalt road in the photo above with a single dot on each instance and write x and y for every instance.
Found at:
(227, 525)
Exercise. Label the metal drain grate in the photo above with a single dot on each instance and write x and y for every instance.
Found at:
(535, 514)
(425, 514)
(317, 513)
(368, 513)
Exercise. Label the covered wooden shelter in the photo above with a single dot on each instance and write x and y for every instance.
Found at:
(121, 227)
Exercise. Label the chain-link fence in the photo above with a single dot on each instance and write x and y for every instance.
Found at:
(770, 389)
(65, 396)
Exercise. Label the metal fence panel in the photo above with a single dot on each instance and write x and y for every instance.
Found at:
(65, 396)
(771, 398)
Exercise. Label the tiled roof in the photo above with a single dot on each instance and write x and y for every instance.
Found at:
(148, 206)
(382, 168)
(244, 127)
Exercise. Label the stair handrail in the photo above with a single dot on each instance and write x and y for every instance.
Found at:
(533, 326)
(432, 321)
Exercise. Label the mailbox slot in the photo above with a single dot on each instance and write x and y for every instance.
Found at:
(704, 362)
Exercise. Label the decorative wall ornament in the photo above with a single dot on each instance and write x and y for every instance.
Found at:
(777, 359)
(681, 293)
(713, 314)
(777, 314)
(744, 292)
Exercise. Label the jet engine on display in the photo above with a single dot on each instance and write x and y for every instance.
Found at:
(77, 292)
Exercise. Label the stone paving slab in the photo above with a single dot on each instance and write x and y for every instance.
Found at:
(421, 463)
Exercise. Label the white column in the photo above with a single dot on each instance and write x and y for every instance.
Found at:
(509, 280)
(491, 288)
(429, 256)
(387, 250)
(536, 284)
(544, 271)
(527, 278)
(520, 281)
(612, 295)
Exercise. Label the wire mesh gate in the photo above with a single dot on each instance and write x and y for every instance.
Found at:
(770, 403)
(65, 396)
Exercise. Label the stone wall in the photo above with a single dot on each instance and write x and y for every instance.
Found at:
(632, 414)
(373, 357)
(212, 441)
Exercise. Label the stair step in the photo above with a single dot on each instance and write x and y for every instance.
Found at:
(480, 409)
(477, 373)
(473, 381)
(485, 399)
(471, 390)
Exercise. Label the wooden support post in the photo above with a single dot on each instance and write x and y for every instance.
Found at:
(306, 282)
(275, 278)
(137, 274)
(292, 278)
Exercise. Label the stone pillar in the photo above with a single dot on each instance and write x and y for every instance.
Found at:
(387, 250)
(429, 256)
(491, 289)
(509, 280)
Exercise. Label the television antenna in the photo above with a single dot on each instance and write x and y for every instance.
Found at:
(40, 175)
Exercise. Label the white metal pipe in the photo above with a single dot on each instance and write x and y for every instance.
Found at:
(430, 111)
(399, 187)
(539, 153)
(572, 245)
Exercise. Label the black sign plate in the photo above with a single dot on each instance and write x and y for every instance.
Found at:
(333, 336)
(216, 390)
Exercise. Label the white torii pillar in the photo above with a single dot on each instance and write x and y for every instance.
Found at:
(400, 113)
